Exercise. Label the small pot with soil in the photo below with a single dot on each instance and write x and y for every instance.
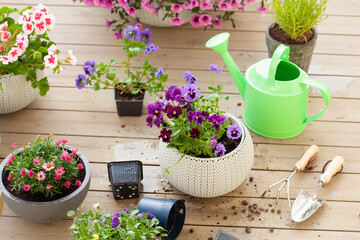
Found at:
(38, 206)
(301, 48)
(128, 104)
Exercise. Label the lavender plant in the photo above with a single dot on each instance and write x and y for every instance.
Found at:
(121, 225)
(137, 79)
(192, 123)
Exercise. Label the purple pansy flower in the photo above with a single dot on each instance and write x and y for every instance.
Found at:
(180, 98)
(139, 215)
(80, 81)
(197, 117)
(195, 133)
(213, 141)
(214, 68)
(90, 67)
(191, 92)
(173, 112)
(172, 92)
(189, 77)
(220, 150)
(154, 110)
(234, 131)
(165, 135)
(159, 72)
(115, 220)
(149, 121)
(216, 120)
(150, 49)
(205, 114)
(159, 121)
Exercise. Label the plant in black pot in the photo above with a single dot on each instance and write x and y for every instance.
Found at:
(294, 25)
(129, 90)
(44, 180)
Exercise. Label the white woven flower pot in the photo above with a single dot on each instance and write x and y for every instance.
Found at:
(209, 177)
(157, 21)
(17, 93)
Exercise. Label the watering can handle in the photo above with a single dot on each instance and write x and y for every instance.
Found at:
(281, 53)
(325, 93)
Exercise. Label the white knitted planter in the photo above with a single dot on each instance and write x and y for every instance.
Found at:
(157, 21)
(209, 177)
(17, 93)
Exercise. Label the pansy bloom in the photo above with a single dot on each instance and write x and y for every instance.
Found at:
(234, 131)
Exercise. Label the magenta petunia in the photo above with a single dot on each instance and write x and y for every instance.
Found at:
(262, 9)
(206, 4)
(195, 20)
(123, 3)
(131, 11)
(176, 8)
(225, 6)
(205, 20)
(176, 21)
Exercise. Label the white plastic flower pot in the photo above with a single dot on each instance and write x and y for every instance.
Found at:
(46, 211)
(209, 177)
(16, 92)
(158, 20)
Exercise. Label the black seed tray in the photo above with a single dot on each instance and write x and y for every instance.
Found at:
(125, 178)
(221, 235)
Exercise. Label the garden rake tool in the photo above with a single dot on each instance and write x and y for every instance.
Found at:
(300, 165)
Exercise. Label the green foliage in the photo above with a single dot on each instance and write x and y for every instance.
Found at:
(296, 17)
(50, 158)
(94, 225)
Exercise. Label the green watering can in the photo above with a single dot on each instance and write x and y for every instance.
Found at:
(275, 92)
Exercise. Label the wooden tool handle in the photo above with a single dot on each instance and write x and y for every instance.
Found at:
(308, 156)
(1, 203)
(334, 167)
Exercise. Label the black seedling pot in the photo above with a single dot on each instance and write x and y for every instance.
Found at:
(125, 178)
(129, 107)
(221, 235)
(170, 213)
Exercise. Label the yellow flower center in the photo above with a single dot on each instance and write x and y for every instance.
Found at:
(234, 132)
(174, 112)
(48, 165)
(156, 111)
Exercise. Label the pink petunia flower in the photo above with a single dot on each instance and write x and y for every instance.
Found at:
(89, 2)
(194, 3)
(131, 11)
(48, 166)
(123, 3)
(31, 173)
(195, 20)
(205, 20)
(10, 177)
(40, 176)
(26, 187)
(36, 161)
(234, 4)
(80, 166)
(67, 184)
(57, 177)
(250, 1)
(216, 22)
(176, 21)
(262, 9)
(108, 24)
(224, 6)
(40, 27)
(48, 187)
(78, 183)
(176, 8)
(22, 172)
(118, 36)
(206, 4)
(51, 61)
(138, 24)
(59, 171)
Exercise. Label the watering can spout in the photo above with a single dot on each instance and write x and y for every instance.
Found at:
(219, 44)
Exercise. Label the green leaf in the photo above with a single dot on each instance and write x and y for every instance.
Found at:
(70, 213)
(43, 85)
(96, 86)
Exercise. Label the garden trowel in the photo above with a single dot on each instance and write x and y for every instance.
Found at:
(306, 205)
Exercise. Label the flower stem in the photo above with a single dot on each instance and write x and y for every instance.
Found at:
(167, 169)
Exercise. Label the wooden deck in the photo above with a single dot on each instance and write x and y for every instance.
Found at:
(89, 121)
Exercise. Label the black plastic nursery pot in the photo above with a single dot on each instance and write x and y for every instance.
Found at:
(125, 178)
(129, 107)
(221, 235)
(170, 213)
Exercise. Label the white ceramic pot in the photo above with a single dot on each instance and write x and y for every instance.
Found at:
(16, 92)
(157, 21)
(209, 177)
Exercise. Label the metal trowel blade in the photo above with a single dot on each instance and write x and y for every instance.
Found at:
(304, 206)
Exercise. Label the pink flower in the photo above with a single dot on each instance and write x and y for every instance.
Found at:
(108, 24)
(123, 3)
(138, 24)
(14, 54)
(40, 176)
(194, 3)
(67, 184)
(59, 171)
(216, 22)
(72, 59)
(176, 8)
(131, 11)
(48, 166)
(57, 177)
(5, 36)
(80, 166)
(65, 156)
(89, 2)
(51, 61)
(53, 49)
(9, 162)
(195, 20)
(176, 21)
(206, 4)
(64, 141)
(205, 20)
(234, 4)
(28, 27)
(50, 21)
(31, 173)
(224, 6)
(21, 45)
(37, 15)
(148, 7)
(58, 143)
(249, 1)
(48, 187)
(3, 26)
(12, 157)
(4, 59)
(25, 17)
(73, 152)
(262, 9)
(104, 4)
(78, 183)
(36, 161)
(40, 27)
(22, 172)
(26, 187)
(118, 36)
(42, 8)
(10, 177)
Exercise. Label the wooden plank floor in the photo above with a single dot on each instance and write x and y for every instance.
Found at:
(89, 121)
